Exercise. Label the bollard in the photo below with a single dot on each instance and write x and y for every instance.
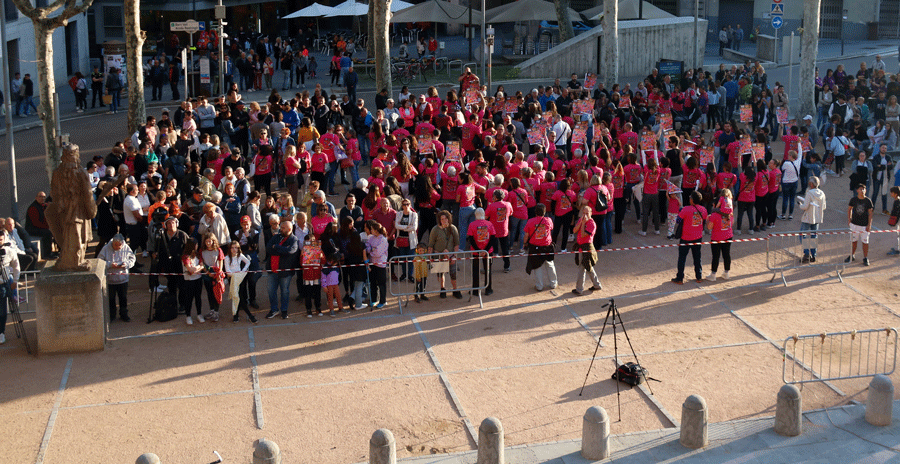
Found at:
(147, 458)
(694, 422)
(490, 442)
(595, 434)
(382, 447)
(789, 412)
(266, 452)
(880, 403)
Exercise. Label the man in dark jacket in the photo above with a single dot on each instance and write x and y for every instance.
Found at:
(283, 259)
(36, 223)
(169, 246)
(350, 81)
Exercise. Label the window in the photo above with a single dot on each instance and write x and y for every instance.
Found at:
(9, 8)
(113, 27)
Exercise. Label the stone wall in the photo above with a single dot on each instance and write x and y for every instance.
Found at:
(641, 45)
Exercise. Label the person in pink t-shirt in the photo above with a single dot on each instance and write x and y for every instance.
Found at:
(538, 236)
(692, 218)
(746, 197)
(586, 258)
(481, 235)
(719, 224)
(499, 213)
(650, 201)
(562, 203)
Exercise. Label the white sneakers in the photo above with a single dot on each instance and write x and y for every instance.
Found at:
(189, 321)
(711, 277)
(200, 319)
(725, 275)
(2, 338)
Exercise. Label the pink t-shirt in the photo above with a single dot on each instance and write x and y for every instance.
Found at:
(762, 184)
(499, 213)
(748, 190)
(691, 177)
(519, 200)
(319, 223)
(465, 194)
(586, 235)
(538, 230)
(693, 217)
(774, 179)
(481, 230)
(451, 184)
(318, 161)
(721, 226)
(725, 180)
(651, 181)
(564, 202)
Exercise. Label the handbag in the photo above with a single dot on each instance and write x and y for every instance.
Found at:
(892, 221)
(402, 242)
(440, 267)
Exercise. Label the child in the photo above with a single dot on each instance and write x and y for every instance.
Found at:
(311, 261)
(312, 66)
(236, 266)
(420, 271)
(674, 206)
(331, 280)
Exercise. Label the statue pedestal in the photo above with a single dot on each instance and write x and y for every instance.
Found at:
(70, 310)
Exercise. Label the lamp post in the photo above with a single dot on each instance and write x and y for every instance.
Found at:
(10, 138)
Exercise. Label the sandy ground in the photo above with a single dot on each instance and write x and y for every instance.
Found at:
(324, 385)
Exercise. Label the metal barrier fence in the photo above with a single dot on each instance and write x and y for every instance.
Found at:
(838, 356)
(433, 266)
(785, 251)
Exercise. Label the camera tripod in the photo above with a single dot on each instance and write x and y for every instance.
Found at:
(612, 314)
(13, 304)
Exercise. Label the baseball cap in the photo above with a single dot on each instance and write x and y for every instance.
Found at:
(808, 117)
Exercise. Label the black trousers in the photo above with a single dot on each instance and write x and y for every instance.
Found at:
(208, 283)
(190, 293)
(98, 95)
(118, 292)
(692, 246)
(725, 250)
(481, 263)
(311, 294)
(378, 284)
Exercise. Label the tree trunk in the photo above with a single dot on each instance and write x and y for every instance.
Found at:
(381, 23)
(43, 40)
(609, 55)
(809, 49)
(370, 31)
(134, 38)
(566, 31)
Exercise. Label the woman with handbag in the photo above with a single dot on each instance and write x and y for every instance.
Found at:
(406, 223)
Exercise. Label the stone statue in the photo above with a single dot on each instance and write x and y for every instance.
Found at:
(69, 214)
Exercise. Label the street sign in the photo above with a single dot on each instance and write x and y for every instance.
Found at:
(189, 26)
(777, 9)
(777, 22)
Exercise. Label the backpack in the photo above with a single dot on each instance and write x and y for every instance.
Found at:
(631, 373)
(177, 166)
(602, 204)
(166, 307)
(73, 83)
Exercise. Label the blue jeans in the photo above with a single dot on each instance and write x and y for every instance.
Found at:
(329, 176)
(279, 284)
(28, 101)
(876, 193)
(406, 269)
(606, 229)
(692, 246)
(354, 172)
(517, 231)
(809, 250)
(788, 191)
(364, 148)
(466, 214)
(113, 106)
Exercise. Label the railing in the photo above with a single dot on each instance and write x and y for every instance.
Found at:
(785, 251)
(435, 262)
(838, 356)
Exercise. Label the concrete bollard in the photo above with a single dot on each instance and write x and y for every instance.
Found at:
(266, 451)
(880, 403)
(490, 442)
(382, 447)
(595, 434)
(694, 422)
(789, 411)
(147, 458)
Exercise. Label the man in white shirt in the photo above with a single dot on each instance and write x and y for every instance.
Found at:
(27, 252)
(562, 131)
(134, 219)
(878, 64)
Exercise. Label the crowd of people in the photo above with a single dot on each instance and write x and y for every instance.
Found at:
(221, 192)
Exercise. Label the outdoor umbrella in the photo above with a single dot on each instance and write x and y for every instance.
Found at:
(527, 10)
(397, 5)
(436, 11)
(349, 8)
(630, 9)
(314, 10)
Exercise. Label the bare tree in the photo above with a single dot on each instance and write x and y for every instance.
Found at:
(381, 22)
(134, 42)
(609, 55)
(45, 21)
(809, 50)
(566, 31)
